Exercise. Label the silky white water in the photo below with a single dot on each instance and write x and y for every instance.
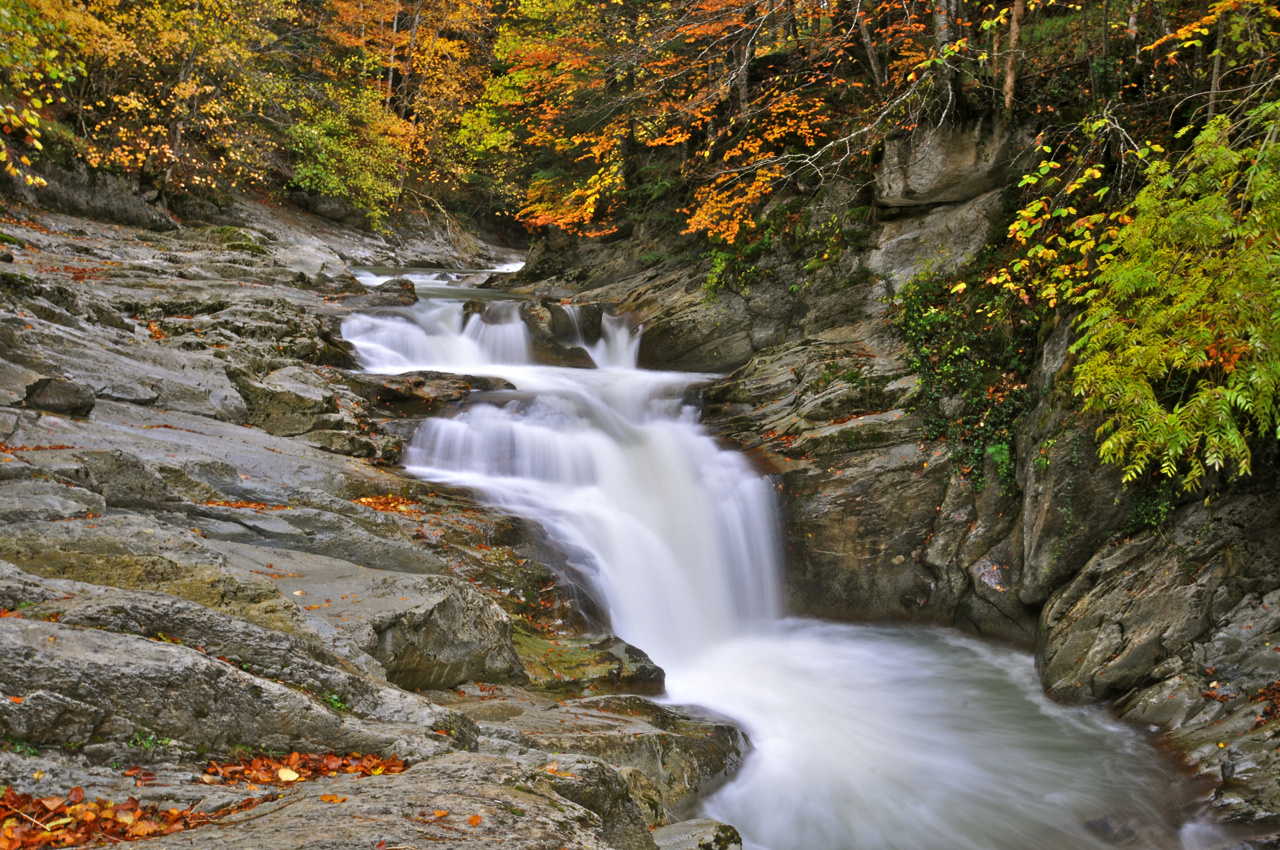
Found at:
(864, 738)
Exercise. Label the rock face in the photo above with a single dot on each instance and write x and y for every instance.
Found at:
(203, 555)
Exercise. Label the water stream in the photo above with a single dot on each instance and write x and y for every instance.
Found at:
(865, 737)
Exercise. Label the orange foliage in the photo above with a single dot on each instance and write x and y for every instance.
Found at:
(63, 821)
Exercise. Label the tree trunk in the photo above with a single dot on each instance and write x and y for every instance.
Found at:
(1215, 82)
(1011, 67)
(870, 46)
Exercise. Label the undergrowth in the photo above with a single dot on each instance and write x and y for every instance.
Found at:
(973, 351)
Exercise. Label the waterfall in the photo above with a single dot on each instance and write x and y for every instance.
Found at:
(864, 737)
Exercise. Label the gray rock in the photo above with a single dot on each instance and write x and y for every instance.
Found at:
(417, 393)
(701, 834)
(134, 552)
(288, 401)
(173, 692)
(306, 663)
(519, 806)
(938, 242)
(6, 257)
(453, 634)
(60, 395)
(28, 501)
(94, 194)
(947, 164)
(334, 209)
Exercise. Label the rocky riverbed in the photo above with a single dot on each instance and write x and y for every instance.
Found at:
(206, 553)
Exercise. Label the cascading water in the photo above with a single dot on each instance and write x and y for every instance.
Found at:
(864, 738)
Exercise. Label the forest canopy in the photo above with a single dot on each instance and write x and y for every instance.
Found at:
(1150, 212)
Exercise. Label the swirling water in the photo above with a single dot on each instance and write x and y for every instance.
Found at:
(864, 737)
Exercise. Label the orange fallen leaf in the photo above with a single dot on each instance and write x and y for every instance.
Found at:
(474, 820)
(15, 699)
(440, 812)
(332, 798)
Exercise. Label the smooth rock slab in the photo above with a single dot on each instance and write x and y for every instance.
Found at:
(83, 686)
(26, 501)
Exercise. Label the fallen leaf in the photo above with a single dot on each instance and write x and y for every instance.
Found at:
(15, 700)
(440, 812)
(299, 593)
(474, 820)
(287, 775)
(332, 798)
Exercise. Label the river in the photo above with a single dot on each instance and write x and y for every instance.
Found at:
(865, 737)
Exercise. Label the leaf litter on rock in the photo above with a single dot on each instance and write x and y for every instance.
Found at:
(300, 767)
(27, 821)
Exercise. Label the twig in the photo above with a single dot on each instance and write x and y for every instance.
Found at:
(30, 818)
(225, 823)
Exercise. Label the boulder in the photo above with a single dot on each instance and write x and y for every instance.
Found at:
(288, 401)
(699, 834)
(61, 395)
(334, 209)
(452, 634)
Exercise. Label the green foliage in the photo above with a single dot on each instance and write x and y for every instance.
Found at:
(36, 66)
(340, 152)
(1002, 456)
(19, 746)
(1153, 504)
(334, 701)
(972, 351)
(1180, 342)
(147, 740)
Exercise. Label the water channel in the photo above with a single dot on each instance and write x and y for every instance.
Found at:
(864, 737)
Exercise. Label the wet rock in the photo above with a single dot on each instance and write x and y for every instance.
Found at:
(576, 665)
(417, 393)
(60, 395)
(701, 834)
(684, 758)
(548, 347)
(397, 292)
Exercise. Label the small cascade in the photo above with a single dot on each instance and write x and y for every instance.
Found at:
(875, 738)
